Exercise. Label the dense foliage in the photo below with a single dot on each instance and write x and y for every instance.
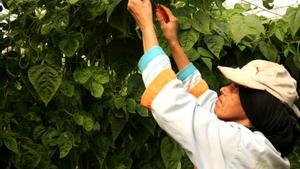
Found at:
(70, 88)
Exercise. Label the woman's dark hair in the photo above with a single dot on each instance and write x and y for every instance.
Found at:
(275, 119)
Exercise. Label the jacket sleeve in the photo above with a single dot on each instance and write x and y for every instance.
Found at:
(178, 113)
(192, 80)
(194, 83)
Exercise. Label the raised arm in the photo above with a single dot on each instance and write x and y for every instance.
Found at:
(144, 21)
(188, 74)
(170, 30)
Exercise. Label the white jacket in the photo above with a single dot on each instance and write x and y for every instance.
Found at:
(183, 106)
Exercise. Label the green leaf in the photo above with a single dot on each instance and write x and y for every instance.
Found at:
(53, 58)
(72, 1)
(149, 124)
(188, 39)
(123, 91)
(96, 89)
(68, 46)
(121, 162)
(45, 80)
(184, 22)
(193, 54)
(134, 88)
(205, 53)
(131, 104)
(269, 51)
(240, 26)
(214, 43)
(30, 157)
(60, 19)
(111, 8)
(242, 47)
(120, 113)
(32, 116)
(97, 126)
(119, 20)
(278, 28)
(11, 143)
(50, 137)
(272, 28)
(170, 153)
(280, 34)
(79, 119)
(221, 28)
(46, 28)
(88, 123)
(101, 76)
(82, 75)
(296, 60)
(64, 149)
(95, 8)
(219, 3)
(294, 157)
(178, 4)
(207, 62)
(117, 125)
(3, 17)
(140, 136)
(101, 146)
(246, 43)
(286, 52)
(142, 111)
(292, 16)
(201, 22)
(38, 132)
(65, 142)
(119, 102)
(292, 49)
(67, 88)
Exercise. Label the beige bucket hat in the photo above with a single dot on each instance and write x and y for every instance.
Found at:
(266, 75)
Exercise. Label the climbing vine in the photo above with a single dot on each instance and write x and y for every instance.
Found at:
(70, 87)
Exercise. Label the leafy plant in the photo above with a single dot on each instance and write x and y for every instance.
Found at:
(70, 88)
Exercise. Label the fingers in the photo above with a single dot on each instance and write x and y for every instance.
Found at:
(137, 2)
(160, 18)
(133, 3)
(169, 12)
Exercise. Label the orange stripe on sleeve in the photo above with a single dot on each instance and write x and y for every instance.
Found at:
(199, 88)
(156, 85)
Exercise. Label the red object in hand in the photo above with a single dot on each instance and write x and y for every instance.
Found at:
(162, 13)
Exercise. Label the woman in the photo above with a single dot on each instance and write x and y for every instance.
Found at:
(252, 124)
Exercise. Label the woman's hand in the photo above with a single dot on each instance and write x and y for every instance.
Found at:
(141, 10)
(169, 28)
(170, 32)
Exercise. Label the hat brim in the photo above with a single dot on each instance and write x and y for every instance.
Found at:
(241, 77)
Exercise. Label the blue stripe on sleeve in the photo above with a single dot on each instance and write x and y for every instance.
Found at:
(149, 56)
(186, 71)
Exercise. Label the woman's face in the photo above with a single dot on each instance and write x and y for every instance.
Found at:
(228, 106)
